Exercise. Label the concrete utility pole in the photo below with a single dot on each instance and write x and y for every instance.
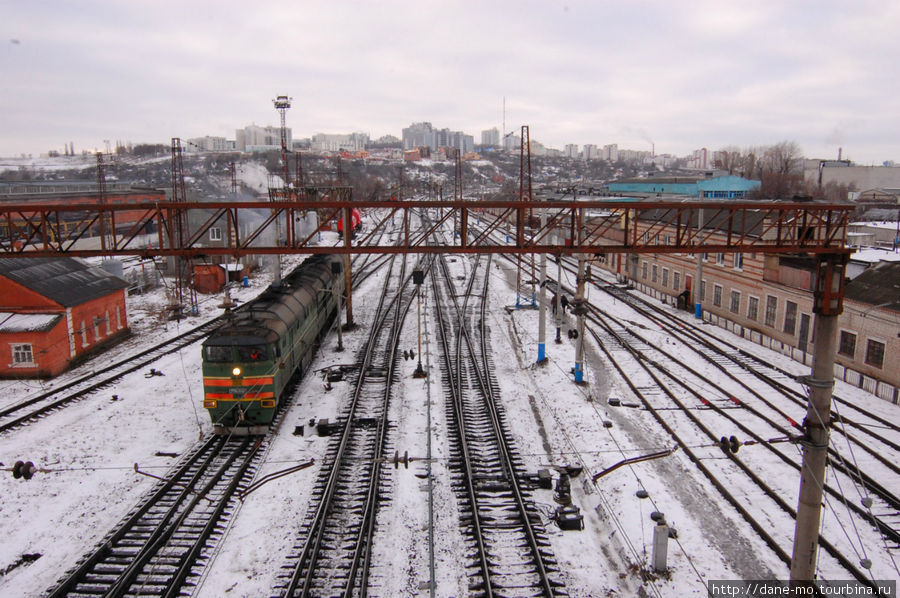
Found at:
(829, 296)
(698, 284)
(579, 309)
(542, 315)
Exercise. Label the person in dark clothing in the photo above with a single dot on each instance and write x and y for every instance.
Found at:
(564, 302)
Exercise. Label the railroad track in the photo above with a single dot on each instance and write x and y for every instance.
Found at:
(332, 555)
(33, 408)
(749, 379)
(161, 546)
(510, 550)
(747, 366)
(659, 387)
(882, 454)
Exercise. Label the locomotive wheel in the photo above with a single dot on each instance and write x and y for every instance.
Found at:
(17, 469)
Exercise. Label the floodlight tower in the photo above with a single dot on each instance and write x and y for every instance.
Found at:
(282, 103)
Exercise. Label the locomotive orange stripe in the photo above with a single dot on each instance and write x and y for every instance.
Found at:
(244, 382)
(217, 382)
(257, 381)
(250, 396)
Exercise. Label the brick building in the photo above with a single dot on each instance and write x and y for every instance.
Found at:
(55, 313)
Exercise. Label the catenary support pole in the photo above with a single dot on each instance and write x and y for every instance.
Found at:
(579, 309)
(828, 306)
(542, 314)
(698, 284)
(558, 297)
(348, 275)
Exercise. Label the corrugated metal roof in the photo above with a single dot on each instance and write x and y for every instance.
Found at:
(878, 286)
(10, 322)
(67, 281)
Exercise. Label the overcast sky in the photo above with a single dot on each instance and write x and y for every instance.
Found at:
(684, 75)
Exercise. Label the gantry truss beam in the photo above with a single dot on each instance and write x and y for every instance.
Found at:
(485, 226)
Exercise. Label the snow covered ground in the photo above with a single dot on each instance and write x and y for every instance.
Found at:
(88, 452)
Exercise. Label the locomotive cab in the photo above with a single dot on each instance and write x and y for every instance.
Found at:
(239, 382)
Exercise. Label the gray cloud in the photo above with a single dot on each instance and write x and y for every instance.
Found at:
(704, 74)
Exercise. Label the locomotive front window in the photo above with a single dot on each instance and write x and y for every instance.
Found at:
(219, 353)
(253, 353)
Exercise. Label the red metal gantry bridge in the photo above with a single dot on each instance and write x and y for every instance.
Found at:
(571, 226)
(564, 228)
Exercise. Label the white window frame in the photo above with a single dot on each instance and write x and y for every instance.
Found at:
(215, 233)
(17, 348)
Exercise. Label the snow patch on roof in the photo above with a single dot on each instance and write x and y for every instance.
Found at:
(12, 322)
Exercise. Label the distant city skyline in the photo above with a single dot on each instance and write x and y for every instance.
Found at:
(682, 76)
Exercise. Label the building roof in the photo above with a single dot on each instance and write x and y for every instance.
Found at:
(878, 286)
(66, 281)
(10, 322)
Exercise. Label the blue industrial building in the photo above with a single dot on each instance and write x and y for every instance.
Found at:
(723, 187)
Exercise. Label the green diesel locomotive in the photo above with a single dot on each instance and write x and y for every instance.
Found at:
(248, 362)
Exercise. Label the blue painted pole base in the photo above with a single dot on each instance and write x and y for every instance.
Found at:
(579, 373)
(542, 352)
(698, 311)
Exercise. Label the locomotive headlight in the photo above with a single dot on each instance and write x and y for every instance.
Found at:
(236, 372)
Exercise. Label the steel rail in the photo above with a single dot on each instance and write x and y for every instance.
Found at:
(200, 458)
(308, 556)
(835, 458)
(179, 512)
(482, 368)
(360, 559)
(759, 528)
(138, 360)
(709, 341)
(868, 482)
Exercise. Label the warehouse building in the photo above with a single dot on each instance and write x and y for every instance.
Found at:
(55, 313)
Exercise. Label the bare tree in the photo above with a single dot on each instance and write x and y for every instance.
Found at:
(751, 162)
(783, 158)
